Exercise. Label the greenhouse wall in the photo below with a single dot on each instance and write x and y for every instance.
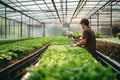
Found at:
(75, 28)
(106, 20)
(13, 29)
(14, 24)
(36, 30)
(2, 30)
(53, 29)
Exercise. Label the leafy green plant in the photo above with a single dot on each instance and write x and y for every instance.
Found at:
(20, 49)
(111, 40)
(12, 41)
(62, 62)
(118, 34)
(5, 57)
(61, 41)
(97, 34)
(76, 35)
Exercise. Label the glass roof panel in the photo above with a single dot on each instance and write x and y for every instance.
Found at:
(45, 9)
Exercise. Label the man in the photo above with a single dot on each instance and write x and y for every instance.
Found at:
(88, 39)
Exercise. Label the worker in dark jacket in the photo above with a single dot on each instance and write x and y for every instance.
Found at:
(88, 38)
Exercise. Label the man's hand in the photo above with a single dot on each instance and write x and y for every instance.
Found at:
(73, 45)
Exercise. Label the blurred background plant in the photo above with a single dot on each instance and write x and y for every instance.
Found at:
(97, 34)
(118, 34)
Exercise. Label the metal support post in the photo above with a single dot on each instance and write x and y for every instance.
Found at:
(111, 18)
(98, 22)
(21, 27)
(5, 22)
(32, 27)
(14, 28)
(90, 22)
(29, 28)
(9, 28)
(43, 29)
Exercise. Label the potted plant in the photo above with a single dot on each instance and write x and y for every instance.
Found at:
(76, 36)
(97, 34)
(70, 36)
(118, 34)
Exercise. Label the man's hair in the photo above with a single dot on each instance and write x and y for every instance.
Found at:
(84, 21)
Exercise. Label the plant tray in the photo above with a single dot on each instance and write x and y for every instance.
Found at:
(16, 70)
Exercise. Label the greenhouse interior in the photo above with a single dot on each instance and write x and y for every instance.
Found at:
(59, 39)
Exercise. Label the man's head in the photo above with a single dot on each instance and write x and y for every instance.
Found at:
(85, 23)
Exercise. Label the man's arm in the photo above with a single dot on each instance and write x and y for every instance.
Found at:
(82, 42)
(76, 40)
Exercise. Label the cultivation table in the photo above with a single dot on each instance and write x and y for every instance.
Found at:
(110, 62)
(16, 70)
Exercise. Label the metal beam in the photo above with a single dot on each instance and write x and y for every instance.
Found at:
(50, 3)
(14, 28)
(40, 8)
(81, 8)
(56, 10)
(27, 9)
(111, 17)
(21, 27)
(61, 1)
(94, 7)
(98, 22)
(48, 8)
(90, 22)
(32, 28)
(100, 8)
(75, 10)
(9, 28)
(43, 29)
(5, 23)
(66, 10)
(5, 4)
(29, 28)
(12, 20)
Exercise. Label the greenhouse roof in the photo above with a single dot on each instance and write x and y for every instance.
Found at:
(69, 11)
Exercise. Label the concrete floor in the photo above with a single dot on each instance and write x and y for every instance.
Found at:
(25, 77)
